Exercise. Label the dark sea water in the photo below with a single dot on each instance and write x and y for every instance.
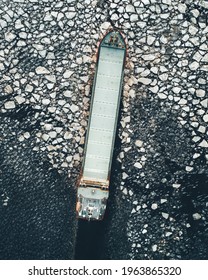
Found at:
(90, 240)
(39, 220)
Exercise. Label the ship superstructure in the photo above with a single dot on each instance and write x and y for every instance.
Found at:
(93, 188)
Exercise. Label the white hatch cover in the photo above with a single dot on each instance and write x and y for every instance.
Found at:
(105, 106)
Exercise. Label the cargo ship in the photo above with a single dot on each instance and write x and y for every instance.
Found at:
(93, 185)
